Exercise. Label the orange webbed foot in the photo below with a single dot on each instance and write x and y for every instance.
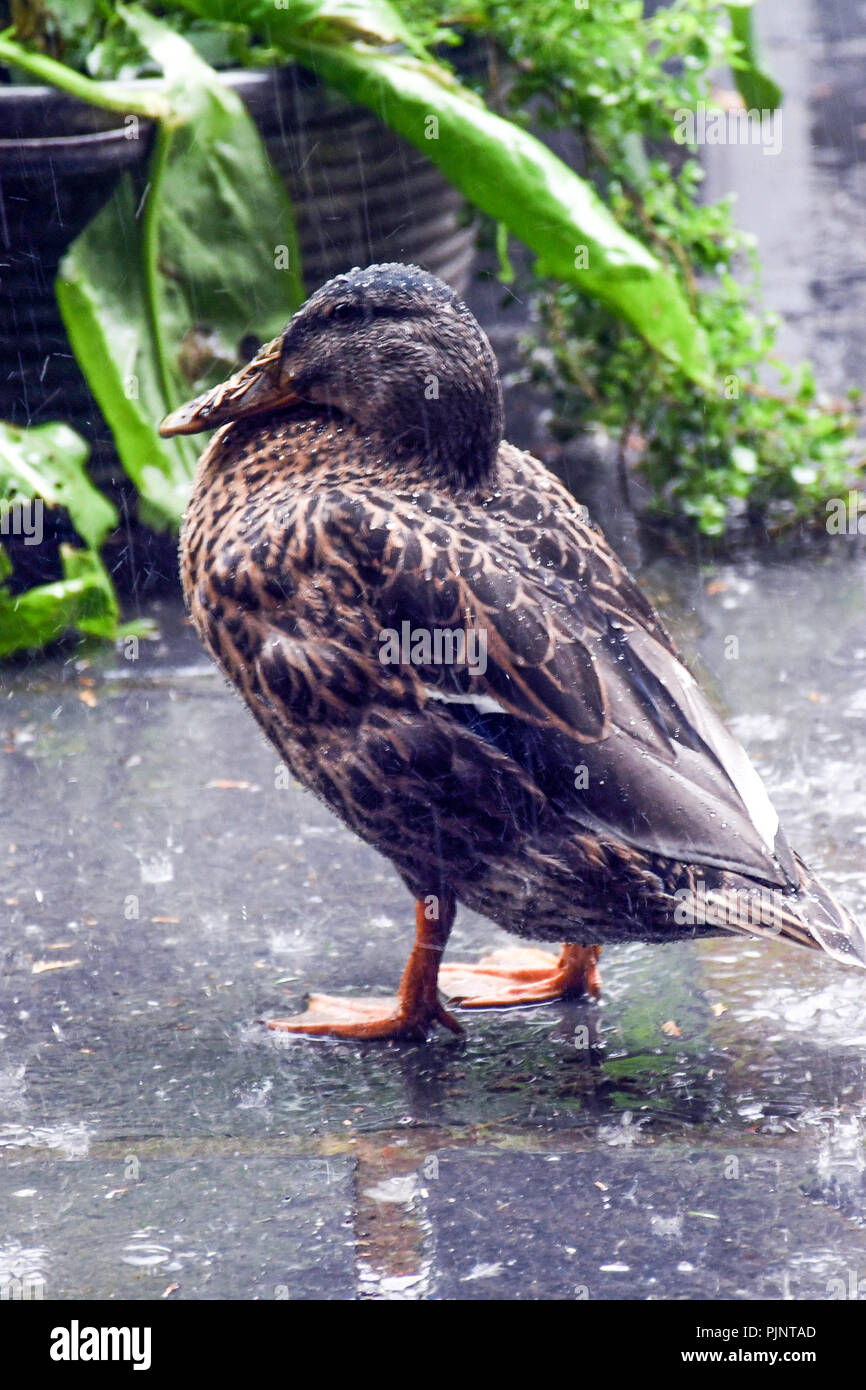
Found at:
(333, 1016)
(410, 1013)
(523, 975)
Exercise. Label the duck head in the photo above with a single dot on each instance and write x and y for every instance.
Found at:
(392, 348)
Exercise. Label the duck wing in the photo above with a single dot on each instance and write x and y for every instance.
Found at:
(574, 679)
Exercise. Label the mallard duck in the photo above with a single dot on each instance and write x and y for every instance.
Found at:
(443, 647)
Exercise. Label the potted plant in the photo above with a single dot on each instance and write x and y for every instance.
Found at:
(197, 248)
(358, 193)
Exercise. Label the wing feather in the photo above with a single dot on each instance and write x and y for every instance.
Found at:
(578, 672)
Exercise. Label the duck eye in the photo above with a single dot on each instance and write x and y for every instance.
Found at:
(342, 312)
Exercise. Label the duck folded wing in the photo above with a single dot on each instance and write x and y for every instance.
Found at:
(588, 698)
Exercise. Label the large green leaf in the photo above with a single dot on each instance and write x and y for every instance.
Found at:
(48, 463)
(223, 211)
(754, 85)
(107, 306)
(160, 289)
(500, 167)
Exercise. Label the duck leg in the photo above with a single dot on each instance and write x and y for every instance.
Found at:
(408, 1014)
(523, 975)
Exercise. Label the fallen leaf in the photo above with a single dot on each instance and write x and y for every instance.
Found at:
(717, 586)
(671, 1030)
(39, 967)
(88, 698)
(719, 1009)
(222, 784)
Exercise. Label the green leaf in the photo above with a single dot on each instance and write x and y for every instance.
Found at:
(223, 213)
(96, 611)
(754, 85)
(48, 463)
(83, 599)
(104, 298)
(368, 19)
(517, 180)
(158, 291)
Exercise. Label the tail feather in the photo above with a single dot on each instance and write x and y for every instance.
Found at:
(809, 917)
(831, 924)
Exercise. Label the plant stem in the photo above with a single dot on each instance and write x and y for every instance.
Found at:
(150, 256)
(109, 96)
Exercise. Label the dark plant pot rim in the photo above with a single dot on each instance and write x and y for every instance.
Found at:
(252, 84)
(35, 120)
(255, 85)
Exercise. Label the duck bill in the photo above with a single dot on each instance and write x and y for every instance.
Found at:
(257, 388)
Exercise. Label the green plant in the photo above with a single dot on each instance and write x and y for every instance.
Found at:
(156, 305)
(732, 447)
(634, 337)
(42, 470)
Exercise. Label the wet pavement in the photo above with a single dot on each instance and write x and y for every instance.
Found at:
(165, 891)
(132, 1230)
(698, 1134)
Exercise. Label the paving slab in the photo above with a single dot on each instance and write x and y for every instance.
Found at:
(637, 1225)
(197, 1228)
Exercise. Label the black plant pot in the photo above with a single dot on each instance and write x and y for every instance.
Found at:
(360, 194)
